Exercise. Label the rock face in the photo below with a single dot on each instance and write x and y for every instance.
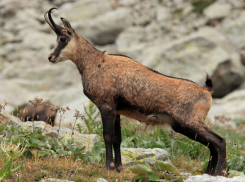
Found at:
(168, 36)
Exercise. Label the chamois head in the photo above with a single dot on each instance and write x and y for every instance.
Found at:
(66, 39)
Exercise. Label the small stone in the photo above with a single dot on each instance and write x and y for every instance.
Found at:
(101, 180)
(54, 180)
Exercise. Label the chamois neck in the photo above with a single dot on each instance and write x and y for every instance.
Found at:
(87, 55)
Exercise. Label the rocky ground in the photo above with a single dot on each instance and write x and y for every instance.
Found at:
(176, 37)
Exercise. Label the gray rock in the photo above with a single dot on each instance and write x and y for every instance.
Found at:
(54, 180)
(105, 28)
(207, 178)
(84, 9)
(231, 106)
(101, 180)
(162, 13)
(144, 12)
(38, 125)
(228, 76)
(217, 10)
(130, 155)
(238, 4)
(233, 29)
(8, 119)
(87, 140)
(127, 2)
(37, 39)
(130, 41)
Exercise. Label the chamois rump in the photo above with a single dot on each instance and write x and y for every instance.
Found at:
(118, 85)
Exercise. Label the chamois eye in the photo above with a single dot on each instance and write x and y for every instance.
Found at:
(62, 39)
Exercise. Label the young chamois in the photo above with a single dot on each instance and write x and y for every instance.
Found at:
(40, 113)
(118, 85)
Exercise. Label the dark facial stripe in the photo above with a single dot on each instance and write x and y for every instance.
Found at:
(60, 47)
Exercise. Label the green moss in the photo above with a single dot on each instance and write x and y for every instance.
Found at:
(200, 5)
(127, 154)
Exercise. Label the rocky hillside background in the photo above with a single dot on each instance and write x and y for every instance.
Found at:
(181, 38)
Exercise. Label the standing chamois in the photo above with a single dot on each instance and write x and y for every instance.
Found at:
(118, 85)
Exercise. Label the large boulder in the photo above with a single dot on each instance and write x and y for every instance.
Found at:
(228, 76)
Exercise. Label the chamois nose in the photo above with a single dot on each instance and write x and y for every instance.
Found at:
(49, 58)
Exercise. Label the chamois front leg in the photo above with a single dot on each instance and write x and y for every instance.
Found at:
(108, 119)
(117, 139)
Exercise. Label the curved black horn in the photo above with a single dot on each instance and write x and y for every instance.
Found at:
(50, 21)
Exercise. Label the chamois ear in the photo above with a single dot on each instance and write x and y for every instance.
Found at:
(67, 26)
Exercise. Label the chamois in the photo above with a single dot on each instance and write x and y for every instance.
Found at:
(40, 113)
(119, 85)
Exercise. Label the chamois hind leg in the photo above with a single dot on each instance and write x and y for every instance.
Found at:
(117, 139)
(108, 120)
(200, 132)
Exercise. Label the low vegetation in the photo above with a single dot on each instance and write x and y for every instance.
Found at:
(38, 157)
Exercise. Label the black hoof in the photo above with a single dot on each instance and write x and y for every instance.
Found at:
(119, 169)
(111, 166)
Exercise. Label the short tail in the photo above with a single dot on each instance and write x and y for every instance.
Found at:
(209, 84)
